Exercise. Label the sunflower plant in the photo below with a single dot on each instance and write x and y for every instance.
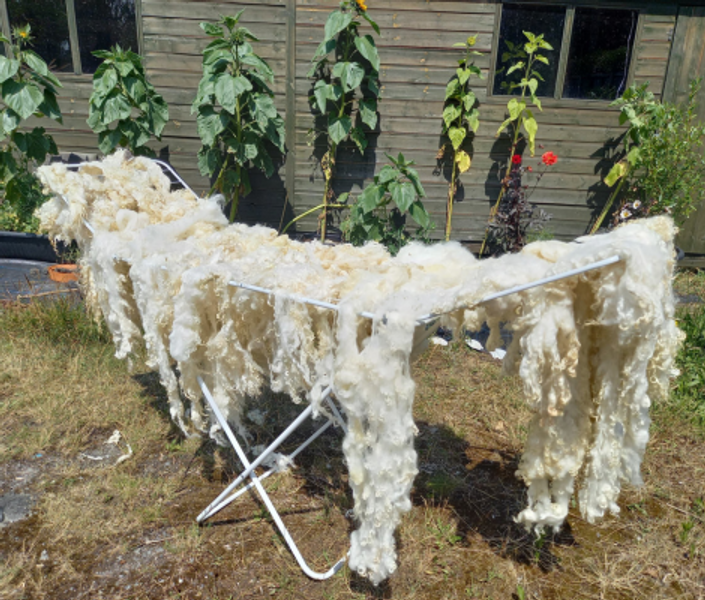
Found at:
(381, 210)
(28, 89)
(461, 119)
(237, 121)
(345, 73)
(124, 109)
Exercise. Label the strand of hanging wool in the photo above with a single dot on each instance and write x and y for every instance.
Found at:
(593, 351)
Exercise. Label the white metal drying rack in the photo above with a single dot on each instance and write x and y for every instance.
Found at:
(230, 493)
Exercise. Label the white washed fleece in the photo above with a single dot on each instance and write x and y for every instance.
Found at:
(593, 351)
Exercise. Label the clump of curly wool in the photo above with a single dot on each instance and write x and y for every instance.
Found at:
(593, 351)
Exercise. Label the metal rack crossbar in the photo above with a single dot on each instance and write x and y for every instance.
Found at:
(231, 492)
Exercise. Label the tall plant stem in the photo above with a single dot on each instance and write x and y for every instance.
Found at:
(515, 141)
(451, 198)
(236, 194)
(328, 174)
(608, 205)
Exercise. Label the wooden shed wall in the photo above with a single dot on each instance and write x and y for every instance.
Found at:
(417, 61)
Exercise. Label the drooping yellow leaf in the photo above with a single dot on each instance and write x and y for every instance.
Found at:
(464, 161)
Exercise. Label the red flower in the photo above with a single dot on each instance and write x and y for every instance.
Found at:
(549, 158)
(530, 169)
(516, 159)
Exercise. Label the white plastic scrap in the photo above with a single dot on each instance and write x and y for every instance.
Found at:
(594, 351)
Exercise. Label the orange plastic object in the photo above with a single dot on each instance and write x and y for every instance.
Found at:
(63, 273)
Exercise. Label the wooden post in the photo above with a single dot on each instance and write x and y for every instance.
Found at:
(73, 36)
(290, 173)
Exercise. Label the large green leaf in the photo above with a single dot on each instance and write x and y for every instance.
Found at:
(324, 48)
(124, 67)
(157, 115)
(35, 62)
(8, 68)
(206, 88)
(95, 122)
(109, 140)
(366, 46)
(450, 113)
(351, 74)
(135, 133)
(370, 198)
(452, 88)
(337, 21)
(463, 75)
(211, 29)
(469, 100)
(106, 83)
(368, 112)
(616, 173)
(10, 120)
(136, 89)
(403, 195)
(387, 174)
(339, 128)
(413, 175)
(255, 61)
(514, 107)
(531, 127)
(371, 22)
(210, 124)
(320, 93)
(208, 161)
(457, 136)
(35, 144)
(418, 213)
(228, 88)
(264, 162)
(359, 138)
(116, 107)
(22, 97)
(50, 107)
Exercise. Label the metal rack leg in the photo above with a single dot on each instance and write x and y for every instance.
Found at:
(226, 497)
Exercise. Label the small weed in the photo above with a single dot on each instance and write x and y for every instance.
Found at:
(521, 593)
(686, 527)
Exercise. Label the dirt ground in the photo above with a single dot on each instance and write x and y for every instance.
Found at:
(89, 514)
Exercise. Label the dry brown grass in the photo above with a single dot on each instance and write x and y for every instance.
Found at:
(128, 531)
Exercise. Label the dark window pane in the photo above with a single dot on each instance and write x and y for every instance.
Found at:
(600, 51)
(50, 29)
(103, 24)
(517, 18)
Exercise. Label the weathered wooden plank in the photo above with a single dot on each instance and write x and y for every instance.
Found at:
(260, 12)
(405, 20)
(270, 31)
(422, 6)
(399, 38)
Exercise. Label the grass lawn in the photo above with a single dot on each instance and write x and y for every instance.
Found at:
(104, 530)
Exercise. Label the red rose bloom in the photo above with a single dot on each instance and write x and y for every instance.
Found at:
(516, 159)
(549, 158)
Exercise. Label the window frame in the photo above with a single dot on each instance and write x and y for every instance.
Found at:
(73, 33)
(558, 99)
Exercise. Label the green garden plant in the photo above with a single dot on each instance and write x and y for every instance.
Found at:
(124, 109)
(461, 118)
(345, 70)
(28, 89)
(379, 212)
(662, 164)
(237, 121)
(521, 123)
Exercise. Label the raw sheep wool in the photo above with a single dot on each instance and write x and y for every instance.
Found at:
(593, 350)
